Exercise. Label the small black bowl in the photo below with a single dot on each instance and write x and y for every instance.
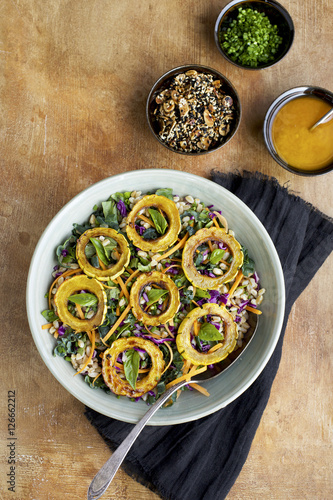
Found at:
(272, 111)
(277, 15)
(163, 83)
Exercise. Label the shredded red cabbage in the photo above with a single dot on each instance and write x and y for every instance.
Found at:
(122, 208)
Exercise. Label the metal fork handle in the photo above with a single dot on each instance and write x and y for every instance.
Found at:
(104, 476)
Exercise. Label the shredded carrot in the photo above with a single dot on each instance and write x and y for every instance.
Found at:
(194, 302)
(176, 260)
(79, 310)
(145, 219)
(47, 326)
(63, 275)
(236, 283)
(129, 270)
(121, 367)
(210, 246)
(200, 389)
(117, 323)
(129, 279)
(96, 378)
(117, 254)
(216, 223)
(56, 334)
(194, 371)
(123, 287)
(215, 347)
(171, 357)
(118, 310)
(172, 250)
(107, 286)
(222, 219)
(196, 327)
(92, 348)
(253, 310)
(168, 330)
(102, 265)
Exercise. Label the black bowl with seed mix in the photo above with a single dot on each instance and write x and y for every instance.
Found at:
(193, 110)
(261, 32)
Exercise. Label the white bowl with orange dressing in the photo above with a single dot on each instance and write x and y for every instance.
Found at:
(287, 131)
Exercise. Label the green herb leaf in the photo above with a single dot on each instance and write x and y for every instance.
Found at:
(84, 299)
(110, 213)
(89, 250)
(50, 315)
(165, 192)
(216, 255)
(159, 220)
(203, 294)
(209, 332)
(150, 234)
(144, 269)
(154, 295)
(100, 250)
(248, 266)
(131, 366)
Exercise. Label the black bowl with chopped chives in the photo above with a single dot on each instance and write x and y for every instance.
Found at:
(254, 34)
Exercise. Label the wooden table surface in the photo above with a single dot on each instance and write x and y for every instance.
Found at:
(74, 80)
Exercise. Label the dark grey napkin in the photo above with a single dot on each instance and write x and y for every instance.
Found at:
(202, 459)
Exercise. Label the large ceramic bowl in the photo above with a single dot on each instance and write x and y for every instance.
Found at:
(249, 231)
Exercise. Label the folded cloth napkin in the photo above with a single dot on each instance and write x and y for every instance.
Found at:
(202, 459)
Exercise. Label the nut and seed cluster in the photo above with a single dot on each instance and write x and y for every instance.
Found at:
(193, 113)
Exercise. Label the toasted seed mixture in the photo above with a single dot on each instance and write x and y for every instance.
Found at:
(193, 112)
(76, 347)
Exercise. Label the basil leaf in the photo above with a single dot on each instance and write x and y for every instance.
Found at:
(154, 295)
(89, 250)
(100, 250)
(159, 220)
(167, 192)
(248, 263)
(216, 255)
(109, 248)
(203, 294)
(144, 269)
(84, 299)
(131, 366)
(209, 332)
(50, 315)
(110, 213)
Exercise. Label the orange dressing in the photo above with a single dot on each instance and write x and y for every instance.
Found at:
(295, 143)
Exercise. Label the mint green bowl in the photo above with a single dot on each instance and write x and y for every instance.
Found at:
(248, 230)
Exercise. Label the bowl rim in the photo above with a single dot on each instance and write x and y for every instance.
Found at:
(179, 178)
(275, 106)
(233, 4)
(180, 69)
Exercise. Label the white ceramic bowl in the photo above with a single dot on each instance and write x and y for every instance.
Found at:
(248, 230)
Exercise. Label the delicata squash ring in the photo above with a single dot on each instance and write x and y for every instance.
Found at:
(200, 237)
(228, 344)
(119, 385)
(154, 278)
(72, 286)
(174, 225)
(111, 272)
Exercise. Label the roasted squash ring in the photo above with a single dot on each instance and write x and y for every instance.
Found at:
(111, 272)
(119, 385)
(174, 225)
(183, 339)
(74, 285)
(154, 278)
(200, 237)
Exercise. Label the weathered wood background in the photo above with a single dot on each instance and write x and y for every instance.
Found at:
(73, 85)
